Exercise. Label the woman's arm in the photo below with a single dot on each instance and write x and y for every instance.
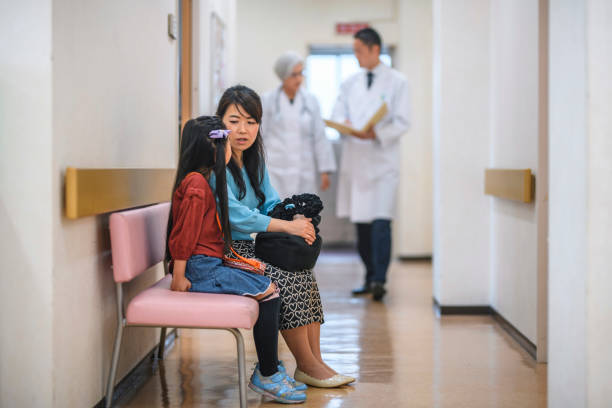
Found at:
(244, 219)
(300, 227)
(272, 198)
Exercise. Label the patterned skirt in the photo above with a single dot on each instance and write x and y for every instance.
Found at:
(300, 298)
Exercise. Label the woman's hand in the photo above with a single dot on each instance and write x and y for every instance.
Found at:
(302, 227)
(180, 284)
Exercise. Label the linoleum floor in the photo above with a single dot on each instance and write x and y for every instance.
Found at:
(401, 353)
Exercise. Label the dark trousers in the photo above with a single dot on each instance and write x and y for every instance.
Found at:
(374, 246)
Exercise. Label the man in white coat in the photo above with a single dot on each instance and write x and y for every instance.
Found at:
(297, 149)
(369, 165)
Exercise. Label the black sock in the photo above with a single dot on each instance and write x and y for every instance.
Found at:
(265, 334)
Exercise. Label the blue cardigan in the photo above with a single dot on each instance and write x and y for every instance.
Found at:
(246, 216)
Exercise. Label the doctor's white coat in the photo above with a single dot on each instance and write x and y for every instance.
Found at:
(296, 146)
(369, 169)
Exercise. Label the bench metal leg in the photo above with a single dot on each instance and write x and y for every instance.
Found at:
(162, 344)
(117, 346)
(113, 369)
(241, 366)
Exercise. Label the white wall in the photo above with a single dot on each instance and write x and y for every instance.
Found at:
(461, 108)
(202, 52)
(26, 309)
(568, 206)
(599, 281)
(580, 198)
(514, 145)
(302, 23)
(414, 57)
(405, 24)
(486, 115)
(115, 104)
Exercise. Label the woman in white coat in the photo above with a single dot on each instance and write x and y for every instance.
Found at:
(298, 154)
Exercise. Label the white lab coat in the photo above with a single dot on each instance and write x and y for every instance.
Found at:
(369, 169)
(296, 146)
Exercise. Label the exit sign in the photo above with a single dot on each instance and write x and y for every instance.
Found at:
(350, 28)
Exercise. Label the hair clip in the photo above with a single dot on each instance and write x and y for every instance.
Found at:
(219, 133)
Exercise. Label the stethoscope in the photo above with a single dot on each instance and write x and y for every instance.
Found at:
(304, 109)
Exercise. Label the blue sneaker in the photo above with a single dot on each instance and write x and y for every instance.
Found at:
(299, 386)
(275, 387)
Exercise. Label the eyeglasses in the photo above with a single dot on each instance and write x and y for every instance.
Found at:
(296, 74)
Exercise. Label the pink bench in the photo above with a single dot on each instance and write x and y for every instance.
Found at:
(138, 242)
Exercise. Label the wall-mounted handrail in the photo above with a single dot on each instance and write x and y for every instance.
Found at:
(511, 184)
(97, 191)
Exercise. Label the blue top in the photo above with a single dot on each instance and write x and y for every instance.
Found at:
(246, 216)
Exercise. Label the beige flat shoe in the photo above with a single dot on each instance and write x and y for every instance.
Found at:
(331, 382)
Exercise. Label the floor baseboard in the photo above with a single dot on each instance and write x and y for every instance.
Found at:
(414, 258)
(520, 338)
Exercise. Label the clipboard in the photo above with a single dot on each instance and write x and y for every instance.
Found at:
(346, 129)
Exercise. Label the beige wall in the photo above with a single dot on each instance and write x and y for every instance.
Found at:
(26, 308)
(404, 24)
(89, 84)
(114, 105)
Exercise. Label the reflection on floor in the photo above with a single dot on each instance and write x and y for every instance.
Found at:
(400, 353)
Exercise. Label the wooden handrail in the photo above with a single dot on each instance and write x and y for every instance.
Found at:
(97, 191)
(511, 184)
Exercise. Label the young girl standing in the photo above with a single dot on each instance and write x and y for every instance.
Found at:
(195, 246)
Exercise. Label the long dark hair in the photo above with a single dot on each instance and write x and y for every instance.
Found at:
(202, 154)
(253, 158)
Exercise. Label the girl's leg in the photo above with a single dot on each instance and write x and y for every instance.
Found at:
(314, 339)
(297, 341)
(271, 289)
(265, 331)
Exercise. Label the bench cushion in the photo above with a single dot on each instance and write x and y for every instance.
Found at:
(159, 306)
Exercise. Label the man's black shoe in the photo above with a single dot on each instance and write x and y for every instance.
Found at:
(378, 291)
(363, 290)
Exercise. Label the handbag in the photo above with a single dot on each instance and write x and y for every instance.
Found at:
(289, 252)
(240, 262)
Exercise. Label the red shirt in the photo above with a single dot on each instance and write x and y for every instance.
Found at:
(195, 230)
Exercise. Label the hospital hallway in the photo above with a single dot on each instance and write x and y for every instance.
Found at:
(401, 353)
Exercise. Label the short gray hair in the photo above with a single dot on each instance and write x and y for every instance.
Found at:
(285, 64)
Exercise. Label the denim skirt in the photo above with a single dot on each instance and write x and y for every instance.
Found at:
(207, 274)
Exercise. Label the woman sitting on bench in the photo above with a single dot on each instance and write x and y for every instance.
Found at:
(195, 246)
(251, 197)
